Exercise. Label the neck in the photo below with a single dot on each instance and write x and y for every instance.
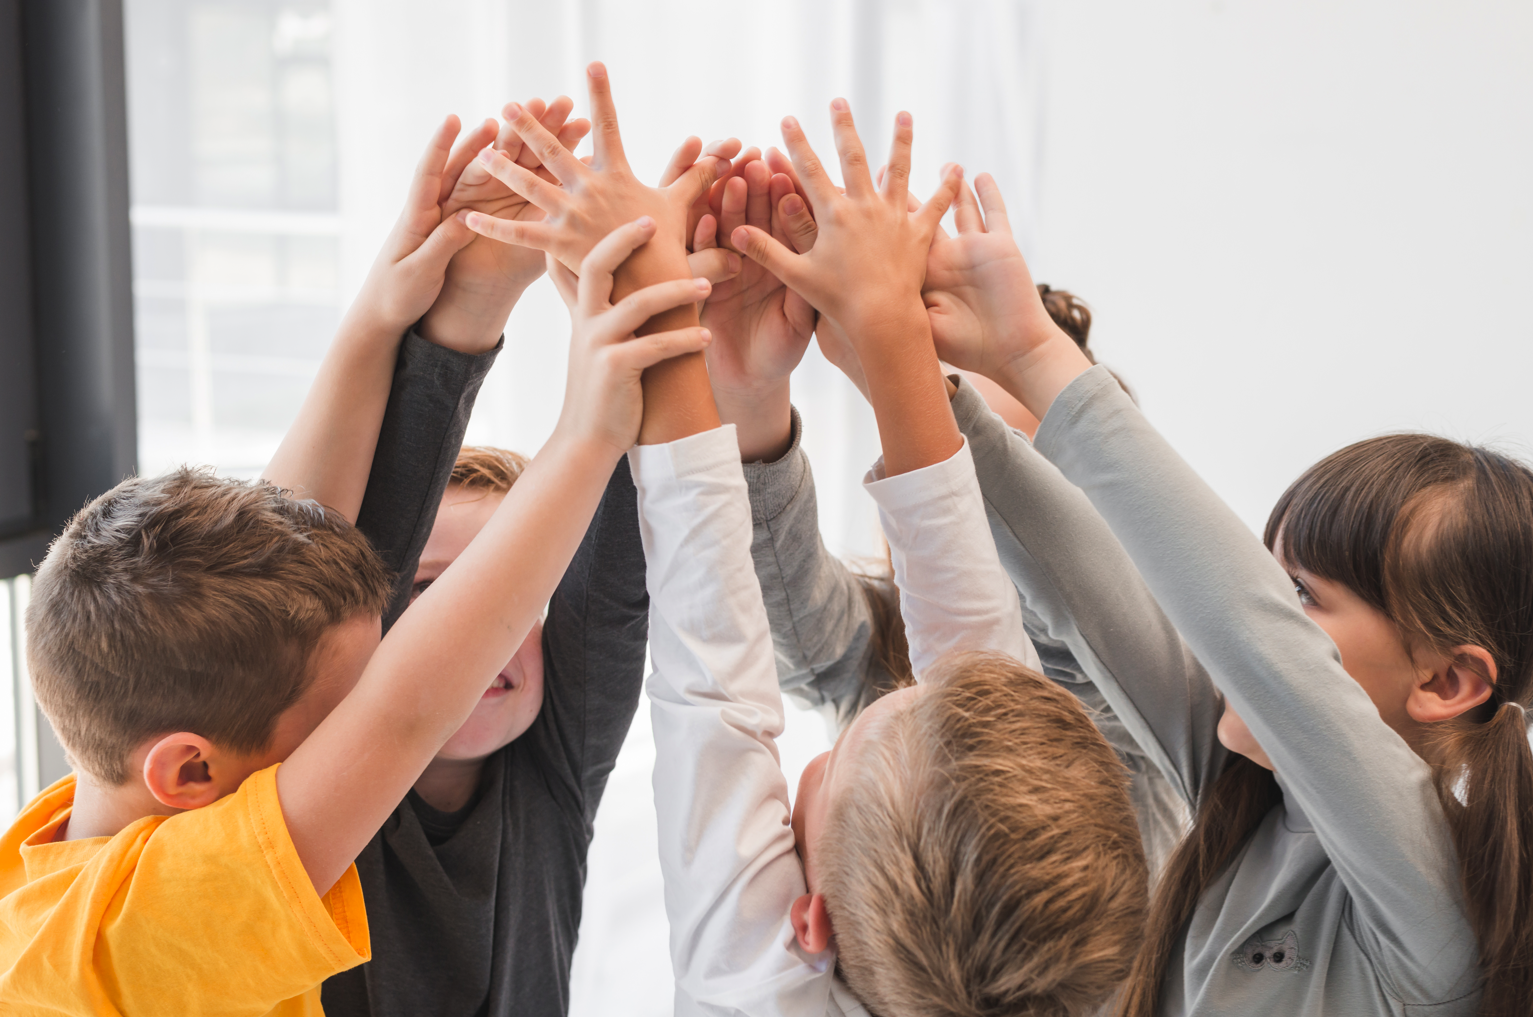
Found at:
(448, 784)
(100, 811)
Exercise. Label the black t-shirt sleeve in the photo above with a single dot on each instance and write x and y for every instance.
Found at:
(429, 404)
(594, 643)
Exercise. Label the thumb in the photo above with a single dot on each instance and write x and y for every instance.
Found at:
(936, 207)
(449, 237)
(758, 245)
(714, 264)
(692, 184)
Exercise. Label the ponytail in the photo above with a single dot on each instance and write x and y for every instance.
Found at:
(1484, 779)
(1229, 811)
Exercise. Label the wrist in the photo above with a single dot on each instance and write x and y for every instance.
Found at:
(1036, 377)
(763, 419)
(458, 321)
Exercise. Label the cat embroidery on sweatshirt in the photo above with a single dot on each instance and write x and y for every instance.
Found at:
(1277, 954)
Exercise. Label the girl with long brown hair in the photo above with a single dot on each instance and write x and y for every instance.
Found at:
(1347, 720)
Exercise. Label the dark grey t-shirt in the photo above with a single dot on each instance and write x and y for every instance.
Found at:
(477, 911)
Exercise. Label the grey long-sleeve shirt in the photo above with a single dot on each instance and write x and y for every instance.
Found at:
(822, 626)
(1346, 899)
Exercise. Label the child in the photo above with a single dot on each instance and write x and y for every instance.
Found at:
(473, 885)
(837, 633)
(1361, 775)
(752, 925)
(208, 652)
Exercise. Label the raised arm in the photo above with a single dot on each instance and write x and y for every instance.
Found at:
(1369, 797)
(326, 453)
(721, 801)
(423, 681)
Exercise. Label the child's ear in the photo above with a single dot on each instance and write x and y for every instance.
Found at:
(811, 923)
(178, 774)
(1460, 680)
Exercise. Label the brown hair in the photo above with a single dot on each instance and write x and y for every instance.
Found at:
(1438, 536)
(985, 859)
(481, 467)
(187, 602)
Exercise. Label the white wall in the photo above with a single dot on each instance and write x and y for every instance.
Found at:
(1300, 223)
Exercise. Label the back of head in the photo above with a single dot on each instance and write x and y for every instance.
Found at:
(188, 603)
(986, 860)
(1438, 536)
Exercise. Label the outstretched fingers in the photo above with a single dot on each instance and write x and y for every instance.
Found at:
(811, 174)
(855, 176)
(426, 186)
(546, 196)
(895, 175)
(608, 139)
(996, 220)
(542, 145)
(521, 232)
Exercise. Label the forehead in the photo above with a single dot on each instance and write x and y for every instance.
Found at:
(463, 513)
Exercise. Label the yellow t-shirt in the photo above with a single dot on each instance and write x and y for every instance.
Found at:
(207, 912)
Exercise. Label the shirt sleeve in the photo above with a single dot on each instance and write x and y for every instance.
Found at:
(726, 851)
(1369, 797)
(822, 627)
(595, 640)
(208, 912)
(1091, 607)
(430, 401)
(953, 593)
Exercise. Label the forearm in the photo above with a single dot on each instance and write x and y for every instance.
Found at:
(429, 403)
(326, 453)
(678, 400)
(906, 388)
(822, 626)
(425, 678)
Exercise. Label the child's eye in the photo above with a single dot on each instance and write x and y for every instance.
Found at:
(418, 589)
(1299, 588)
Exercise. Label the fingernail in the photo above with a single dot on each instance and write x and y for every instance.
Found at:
(464, 216)
(903, 120)
(790, 123)
(702, 284)
(645, 222)
(470, 219)
(792, 204)
(597, 69)
(707, 336)
(732, 260)
(513, 110)
(838, 104)
(487, 156)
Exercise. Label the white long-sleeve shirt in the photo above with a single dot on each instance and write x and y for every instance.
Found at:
(726, 850)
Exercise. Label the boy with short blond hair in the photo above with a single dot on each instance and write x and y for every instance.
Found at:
(216, 875)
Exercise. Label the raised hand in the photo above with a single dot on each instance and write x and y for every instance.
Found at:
(869, 257)
(864, 272)
(485, 279)
(979, 295)
(589, 201)
(986, 314)
(761, 328)
(602, 398)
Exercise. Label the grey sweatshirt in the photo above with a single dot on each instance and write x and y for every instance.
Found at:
(1346, 899)
(822, 626)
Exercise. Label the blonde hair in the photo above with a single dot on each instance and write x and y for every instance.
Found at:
(985, 860)
(481, 467)
(188, 603)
